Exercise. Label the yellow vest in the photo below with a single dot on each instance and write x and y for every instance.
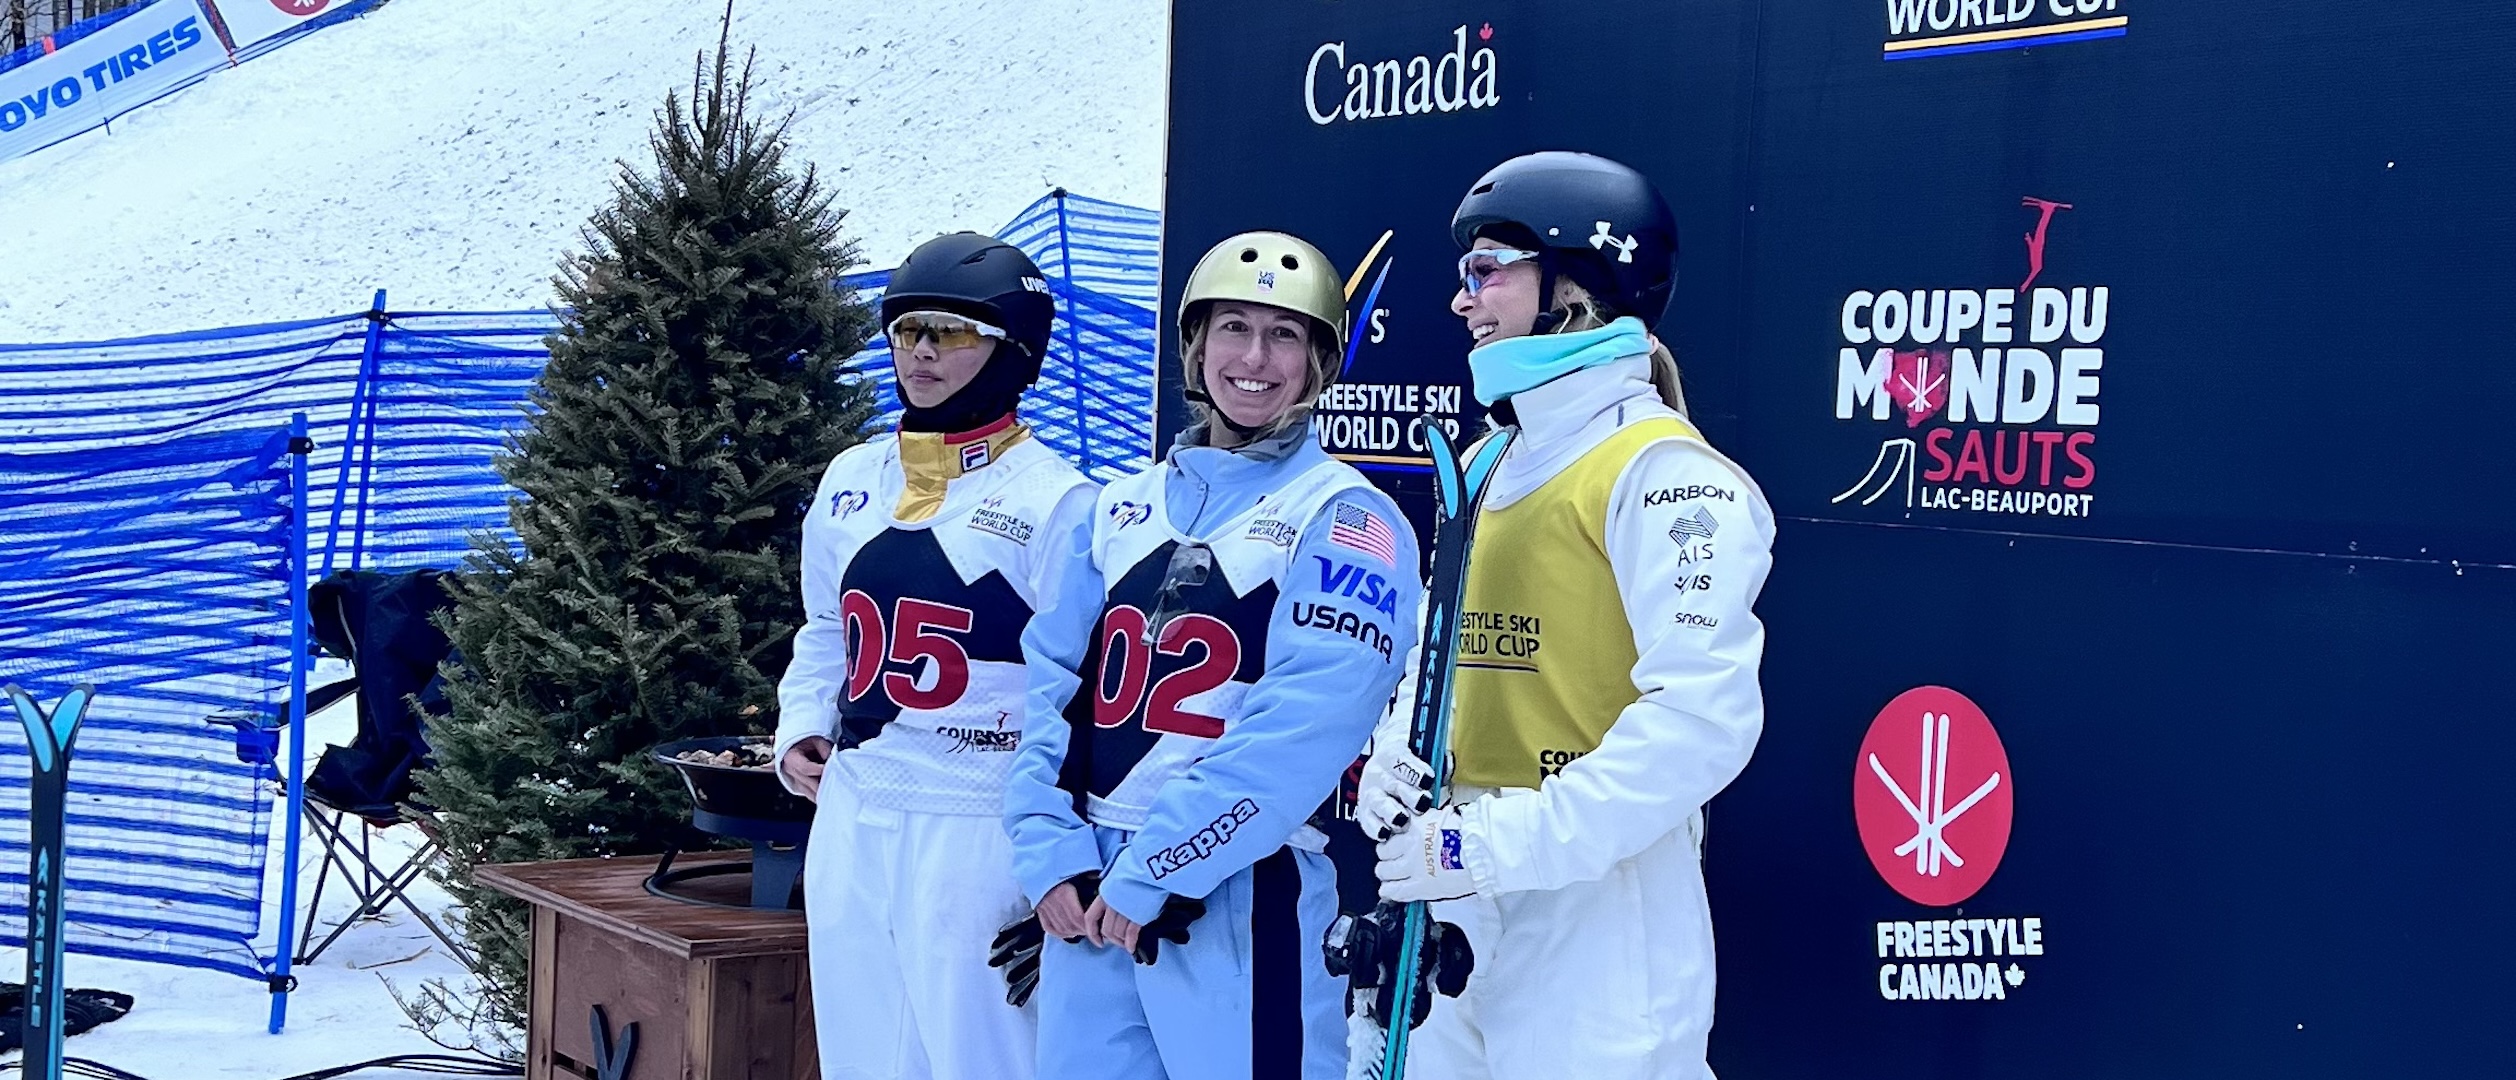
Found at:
(1546, 655)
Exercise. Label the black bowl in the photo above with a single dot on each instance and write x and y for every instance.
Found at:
(752, 794)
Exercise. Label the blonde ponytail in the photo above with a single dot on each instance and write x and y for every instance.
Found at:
(1582, 313)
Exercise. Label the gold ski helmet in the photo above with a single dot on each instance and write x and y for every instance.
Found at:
(1275, 269)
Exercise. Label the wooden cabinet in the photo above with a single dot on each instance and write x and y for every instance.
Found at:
(716, 993)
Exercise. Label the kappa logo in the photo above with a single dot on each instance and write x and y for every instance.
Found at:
(1605, 238)
(1124, 514)
(844, 503)
(1217, 833)
(1700, 524)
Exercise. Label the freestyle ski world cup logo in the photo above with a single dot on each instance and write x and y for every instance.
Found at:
(1987, 396)
(1932, 794)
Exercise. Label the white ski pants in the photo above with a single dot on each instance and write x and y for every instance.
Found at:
(901, 909)
(1605, 980)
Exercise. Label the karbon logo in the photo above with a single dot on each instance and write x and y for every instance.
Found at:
(1336, 87)
(1933, 794)
(1989, 394)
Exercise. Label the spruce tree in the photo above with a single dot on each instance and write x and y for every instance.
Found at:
(694, 395)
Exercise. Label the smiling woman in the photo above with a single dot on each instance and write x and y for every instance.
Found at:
(1259, 327)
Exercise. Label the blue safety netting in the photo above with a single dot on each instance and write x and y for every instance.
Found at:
(145, 546)
(149, 571)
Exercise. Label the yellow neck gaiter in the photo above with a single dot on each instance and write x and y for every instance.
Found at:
(931, 460)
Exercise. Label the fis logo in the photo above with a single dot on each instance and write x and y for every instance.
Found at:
(1698, 524)
(1124, 514)
(848, 502)
(1217, 833)
(1355, 583)
(1694, 583)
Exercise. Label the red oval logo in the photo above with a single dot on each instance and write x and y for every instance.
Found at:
(301, 8)
(1932, 793)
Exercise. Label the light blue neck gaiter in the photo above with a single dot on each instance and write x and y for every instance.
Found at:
(1498, 370)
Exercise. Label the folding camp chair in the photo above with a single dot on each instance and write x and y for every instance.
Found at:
(379, 622)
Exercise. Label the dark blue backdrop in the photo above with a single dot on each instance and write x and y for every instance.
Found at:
(2248, 686)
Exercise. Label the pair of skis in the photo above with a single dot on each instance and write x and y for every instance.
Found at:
(48, 736)
(1457, 493)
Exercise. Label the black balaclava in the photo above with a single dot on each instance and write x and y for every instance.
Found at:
(990, 396)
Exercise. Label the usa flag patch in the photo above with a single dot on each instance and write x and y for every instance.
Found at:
(1354, 527)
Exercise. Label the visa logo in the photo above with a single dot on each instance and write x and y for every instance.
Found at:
(1356, 583)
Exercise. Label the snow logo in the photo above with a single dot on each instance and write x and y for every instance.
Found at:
(1700, 524)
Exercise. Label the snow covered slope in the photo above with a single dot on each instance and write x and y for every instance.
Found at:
(448, 150)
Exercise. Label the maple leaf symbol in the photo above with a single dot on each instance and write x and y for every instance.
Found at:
(1919, 383)
(2015, 974)
(1485, 32)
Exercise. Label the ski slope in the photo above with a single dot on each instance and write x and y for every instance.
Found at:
(448, 150)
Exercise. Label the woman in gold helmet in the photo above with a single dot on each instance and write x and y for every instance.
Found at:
(1210, 665)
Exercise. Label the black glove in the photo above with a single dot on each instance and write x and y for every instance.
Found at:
(1171, 926)
(1017, 951)
(1365, 951)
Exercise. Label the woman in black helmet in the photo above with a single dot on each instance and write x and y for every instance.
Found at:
(1583, 753)
(924, 556)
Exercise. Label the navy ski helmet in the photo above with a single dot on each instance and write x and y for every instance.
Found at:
(980, 277)
(1598, 222)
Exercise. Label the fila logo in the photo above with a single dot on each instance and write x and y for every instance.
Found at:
(1605, 238)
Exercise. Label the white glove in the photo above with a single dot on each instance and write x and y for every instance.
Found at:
(1395, 787)
(1425, 859)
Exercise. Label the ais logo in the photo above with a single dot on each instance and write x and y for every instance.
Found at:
(1373, 89)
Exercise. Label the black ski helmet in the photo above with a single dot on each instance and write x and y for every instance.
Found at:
(1598, 222)
(978, 276)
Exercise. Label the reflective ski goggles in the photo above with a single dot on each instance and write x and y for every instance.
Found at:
(1477, 268)
(1188, 568)
(948, 330)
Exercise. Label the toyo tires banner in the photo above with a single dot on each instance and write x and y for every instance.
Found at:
(155, 51)
(2127, 375)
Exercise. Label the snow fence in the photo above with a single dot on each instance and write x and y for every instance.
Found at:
(145, 511)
